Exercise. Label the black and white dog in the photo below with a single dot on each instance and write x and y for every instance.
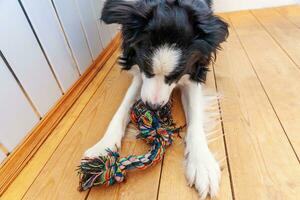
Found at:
(168, 44)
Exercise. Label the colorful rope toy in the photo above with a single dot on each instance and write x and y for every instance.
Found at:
(156, 128)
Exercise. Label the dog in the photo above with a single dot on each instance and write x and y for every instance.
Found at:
(168, 44)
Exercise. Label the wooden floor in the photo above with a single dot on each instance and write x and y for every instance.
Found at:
(258, 73)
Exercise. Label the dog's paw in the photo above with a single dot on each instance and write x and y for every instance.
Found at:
(111, 140)
(100, 149)
(203, 172)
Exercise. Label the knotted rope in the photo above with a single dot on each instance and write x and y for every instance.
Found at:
(156, 128)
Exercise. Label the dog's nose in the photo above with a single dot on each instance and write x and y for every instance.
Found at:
(153, 106)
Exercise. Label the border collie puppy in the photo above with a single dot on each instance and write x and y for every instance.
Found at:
(168, 44)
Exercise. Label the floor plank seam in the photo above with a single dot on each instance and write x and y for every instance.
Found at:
(261, 84)
(224, 137)
(159, 180)
(257, 120)
(72, 123)
(288, 19)
(87, 195)
(275, 40)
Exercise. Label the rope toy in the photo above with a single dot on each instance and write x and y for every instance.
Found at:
(157, 128)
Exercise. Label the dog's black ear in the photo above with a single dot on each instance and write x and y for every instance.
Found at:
(198, 59)
(208, 27)
(213, 30)
(209, 3)
(123, 12)
(211, 33)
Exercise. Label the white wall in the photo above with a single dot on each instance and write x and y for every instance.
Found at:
(42, 63)
(23, 53)
(45, 45)
(233, 5)
(53, 41)
(16, 114)
(2, 156)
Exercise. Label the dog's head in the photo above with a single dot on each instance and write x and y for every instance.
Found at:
(166, 39)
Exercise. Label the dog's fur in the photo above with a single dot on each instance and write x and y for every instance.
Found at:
(168, 44)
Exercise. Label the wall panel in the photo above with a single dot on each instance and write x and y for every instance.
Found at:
(50, 34)
(16, 115)
(89, 22)
(45, 45)
(2, 156)
(22, 51)
(72, 26)
(104, 30)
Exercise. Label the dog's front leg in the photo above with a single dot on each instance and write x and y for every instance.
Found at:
(202, 170)
(115, 131)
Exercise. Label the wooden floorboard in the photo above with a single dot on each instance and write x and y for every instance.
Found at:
(257, 73)
(173, 184)
(139, 184)
(285, 33)
(59, 172)
(276, 71)
(291, 13)
(22, 154)
(257, 145)
(137, 181)
(21, 184)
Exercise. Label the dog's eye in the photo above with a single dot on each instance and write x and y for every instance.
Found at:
(149, 74)
(169, 80)
(174, 77)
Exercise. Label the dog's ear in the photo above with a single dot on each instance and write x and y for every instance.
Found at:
(123, 12)
(213, 30)
(209, 28)
(198, 58)
(203, 49)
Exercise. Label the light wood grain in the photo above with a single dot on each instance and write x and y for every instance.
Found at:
(173, 184)
(89, 127)
(21, 184)
(139, 184)
(27, 148)
(278, 74)
(260, 85)
(257, 145)
(285, 33)
(291, 13)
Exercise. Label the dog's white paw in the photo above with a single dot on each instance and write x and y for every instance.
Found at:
(203, 171)
(111, 140)
(100, 149)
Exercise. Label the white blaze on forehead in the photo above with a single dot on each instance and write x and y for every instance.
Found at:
(165, 59)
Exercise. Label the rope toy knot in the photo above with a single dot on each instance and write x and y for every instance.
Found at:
(103, 170)
(154, 125)
(156, 128)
